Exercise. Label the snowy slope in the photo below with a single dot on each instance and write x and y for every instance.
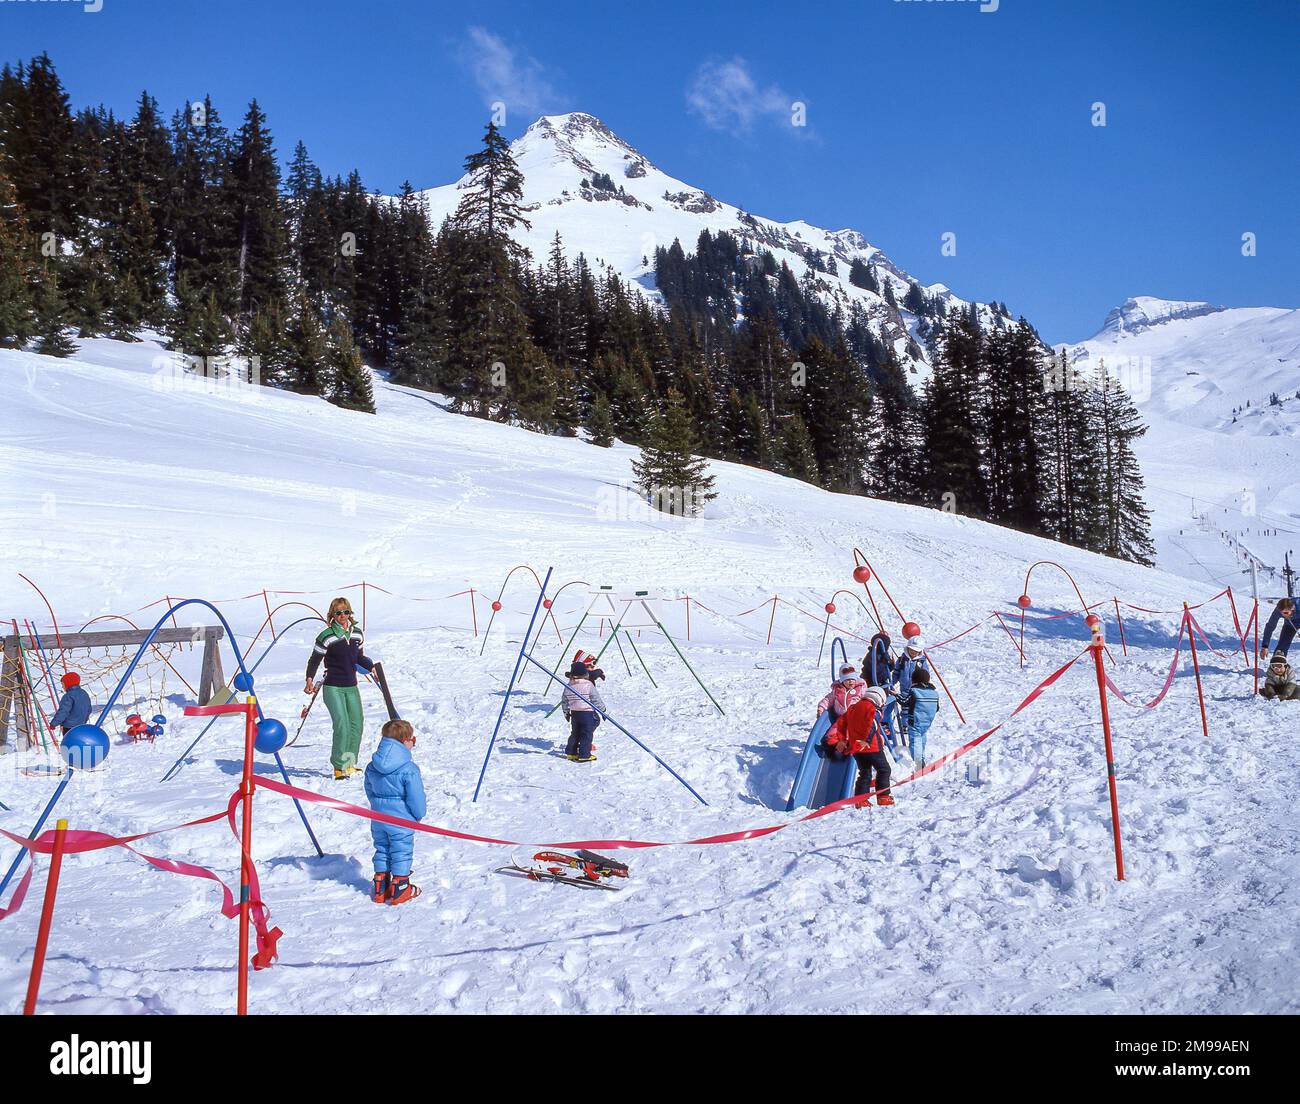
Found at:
(559, 155)
(120, 487)
(1220, 483)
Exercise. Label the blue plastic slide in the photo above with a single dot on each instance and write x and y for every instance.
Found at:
(821, 778)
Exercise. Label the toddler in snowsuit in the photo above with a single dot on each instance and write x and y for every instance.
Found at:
(1280, 682)
(582, 718)
(919, 708)
(394, 786)
(857, 734)
(74, 706)
(846, 691)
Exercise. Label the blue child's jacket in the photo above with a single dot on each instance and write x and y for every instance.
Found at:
(922, 705)
(74, 709)
(393, 782)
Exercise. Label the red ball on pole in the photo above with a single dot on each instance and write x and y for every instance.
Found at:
(496, 607)
(910, 630)
(862, 573)
(546, 603)
(1023, 601)
(830, 607)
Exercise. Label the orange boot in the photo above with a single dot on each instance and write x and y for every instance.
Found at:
(884, 799)
(401, 889)
(379, 892)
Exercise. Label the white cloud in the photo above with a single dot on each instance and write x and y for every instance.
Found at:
(726, 97)
(503, 73)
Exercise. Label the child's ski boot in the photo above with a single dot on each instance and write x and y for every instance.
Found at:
(585, 759)
(340, 775)
(379, 893)
(401, 889)
(884, 799)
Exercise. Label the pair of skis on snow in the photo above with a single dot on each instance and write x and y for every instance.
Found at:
(592, 871)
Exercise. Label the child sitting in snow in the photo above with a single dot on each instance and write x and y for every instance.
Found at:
(394, 786)
(845, 691)
(74, 706)
(919, 707)
(580, 714)
(1280, 682)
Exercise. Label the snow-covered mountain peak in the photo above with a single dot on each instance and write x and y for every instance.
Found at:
(1141, 312)
(577, 138)
(610, 203)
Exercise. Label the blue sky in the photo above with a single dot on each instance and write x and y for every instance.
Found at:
(923, 117)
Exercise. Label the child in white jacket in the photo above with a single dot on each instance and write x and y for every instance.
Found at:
(582, 718)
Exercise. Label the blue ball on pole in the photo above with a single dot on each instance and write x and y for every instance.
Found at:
(271, 736)
(243, 682)
(85, 746)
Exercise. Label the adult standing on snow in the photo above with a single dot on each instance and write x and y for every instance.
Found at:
(339, 645)
(1284, 611)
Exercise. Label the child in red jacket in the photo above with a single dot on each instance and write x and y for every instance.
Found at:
(856, 733)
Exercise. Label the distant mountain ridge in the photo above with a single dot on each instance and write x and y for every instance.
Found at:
(569, 161)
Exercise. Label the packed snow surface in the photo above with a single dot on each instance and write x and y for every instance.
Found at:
(123, 484)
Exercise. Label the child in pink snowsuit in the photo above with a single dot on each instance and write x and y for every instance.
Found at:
(846, 691)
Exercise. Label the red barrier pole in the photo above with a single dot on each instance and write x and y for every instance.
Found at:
(47, 918)
(1196, 667)
(245, 858)
(1096, 648)
(1122, 642)
(935, 669)
(771, 620)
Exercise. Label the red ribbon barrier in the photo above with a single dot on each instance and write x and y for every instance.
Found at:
(268, 783)
(79, 842)
(1169, 679)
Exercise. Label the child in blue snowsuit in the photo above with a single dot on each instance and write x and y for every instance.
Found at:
(394, 786)
(919, 707)
(74, 706)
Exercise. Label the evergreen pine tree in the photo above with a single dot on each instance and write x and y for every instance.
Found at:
(894, 433)
(350, 383)
(600, 427)
(1127, 518)
(51, 316)
(16, 306)
(307, 370)
(670, 475)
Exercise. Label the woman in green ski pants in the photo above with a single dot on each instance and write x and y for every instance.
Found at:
(339, 646)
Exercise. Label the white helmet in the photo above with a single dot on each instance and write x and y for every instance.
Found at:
(876, 695)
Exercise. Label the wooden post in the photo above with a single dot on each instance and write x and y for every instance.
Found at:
(1196, 667)
(47, 918)
(8, 687)
(473, 613)
(211, 677)
(771, 620)
(1096, 648)
(1122, 642)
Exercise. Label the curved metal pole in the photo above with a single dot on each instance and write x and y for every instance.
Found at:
(549, 606)
(112, 700)
(505, 700)
(844, 656)
(174, 768)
